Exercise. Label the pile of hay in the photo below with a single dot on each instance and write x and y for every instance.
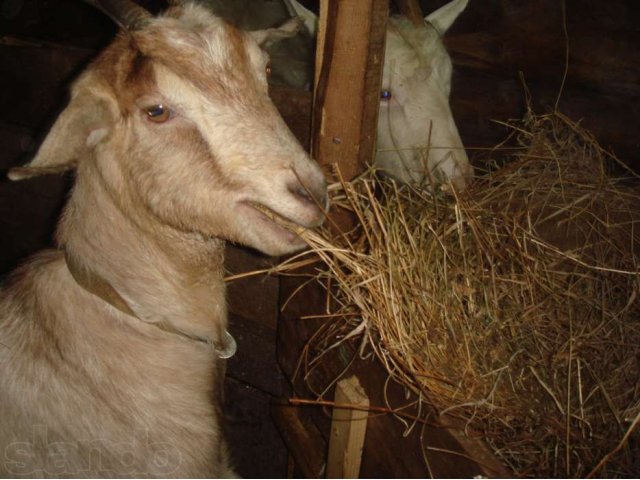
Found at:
(512, 306)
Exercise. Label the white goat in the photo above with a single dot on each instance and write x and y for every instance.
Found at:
(290, 58)
(109, 344)
(418, 141)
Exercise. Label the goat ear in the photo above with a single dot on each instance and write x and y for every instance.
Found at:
(80, 127)
(288, 29)
(444, 17)
(310, 19)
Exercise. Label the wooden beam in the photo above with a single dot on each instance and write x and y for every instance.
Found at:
(350, 56)
(348, 429)
(304, 442)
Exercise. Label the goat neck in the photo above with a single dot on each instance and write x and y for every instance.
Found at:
(165, 276)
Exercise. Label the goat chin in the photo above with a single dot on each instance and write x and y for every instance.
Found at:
(273, 233)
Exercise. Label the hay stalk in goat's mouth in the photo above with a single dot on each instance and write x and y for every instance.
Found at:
(278, 219)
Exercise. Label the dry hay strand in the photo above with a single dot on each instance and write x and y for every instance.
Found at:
(512, 306)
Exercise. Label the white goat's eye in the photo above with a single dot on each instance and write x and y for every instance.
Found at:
(158, 113)
(385, 94)
(268, 69)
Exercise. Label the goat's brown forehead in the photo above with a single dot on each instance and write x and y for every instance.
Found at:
(217, 63)
(209, 60)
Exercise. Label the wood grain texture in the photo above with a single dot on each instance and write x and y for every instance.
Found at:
(349, 64)
(348, 430)
(305, 443)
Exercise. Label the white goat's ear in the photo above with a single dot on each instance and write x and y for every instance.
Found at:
(310, 19)
(288, 29)
(80, 127)
(444, 17)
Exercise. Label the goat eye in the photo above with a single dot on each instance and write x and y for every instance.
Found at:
(385, 94)
(267, 69)
(158, 113)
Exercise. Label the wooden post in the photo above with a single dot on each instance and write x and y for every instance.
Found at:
(348, 429)
(349, 60)
(350, 56)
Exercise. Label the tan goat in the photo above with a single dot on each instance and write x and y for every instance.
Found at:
(110, 344)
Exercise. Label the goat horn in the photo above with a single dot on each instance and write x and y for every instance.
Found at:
(127, 14)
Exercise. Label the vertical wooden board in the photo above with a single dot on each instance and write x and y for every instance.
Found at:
(350, 57)
(346, 101)
(350, 53)
(348, 429)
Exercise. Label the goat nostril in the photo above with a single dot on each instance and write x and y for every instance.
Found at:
(323, 200)
(317, 197)
(302, 193)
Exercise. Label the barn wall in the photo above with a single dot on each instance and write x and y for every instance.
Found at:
(495, 40)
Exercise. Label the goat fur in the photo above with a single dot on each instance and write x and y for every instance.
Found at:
(85, 389)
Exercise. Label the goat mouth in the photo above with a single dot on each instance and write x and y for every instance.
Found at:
(294, 230)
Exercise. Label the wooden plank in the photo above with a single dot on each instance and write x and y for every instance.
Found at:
(350, 56)
(439, 448)
(349, 62)
(349, 59)
(346, 98)
(348, 430)
(304, 442)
